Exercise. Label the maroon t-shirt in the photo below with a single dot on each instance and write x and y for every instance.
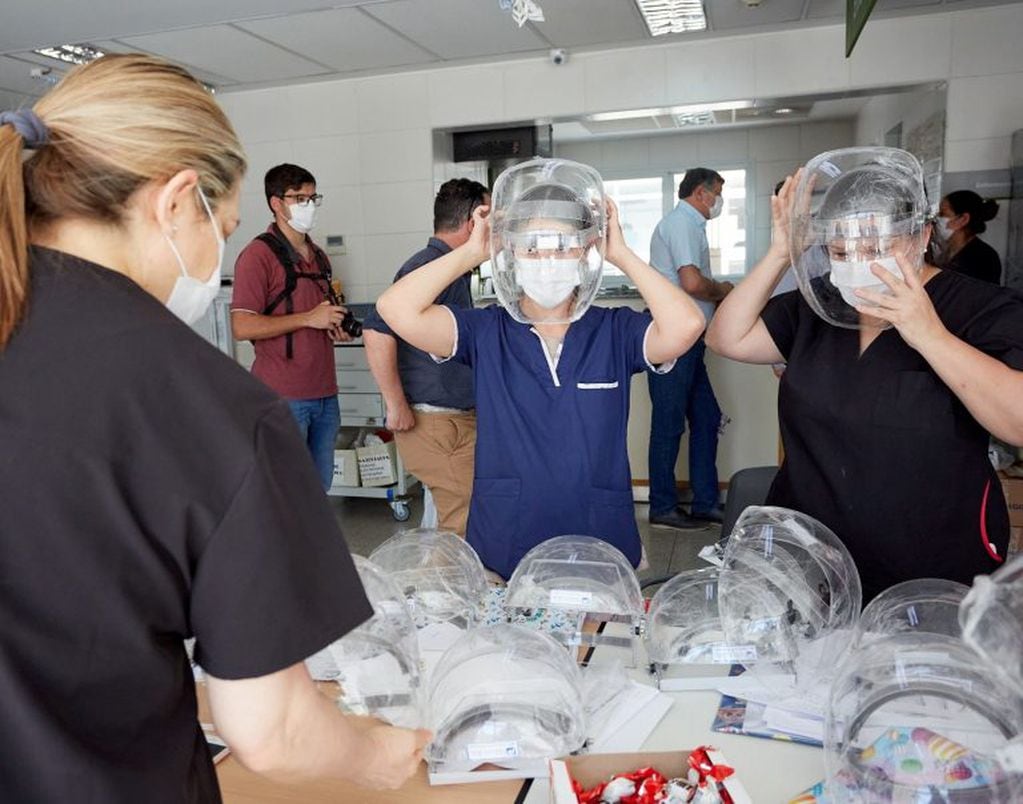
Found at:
(258, 278)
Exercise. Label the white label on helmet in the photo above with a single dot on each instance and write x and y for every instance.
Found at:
(570, 599)
(732, 654)
(482, 752)
(830, 168)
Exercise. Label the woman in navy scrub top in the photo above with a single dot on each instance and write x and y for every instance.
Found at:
(552, 398)
(886, 429)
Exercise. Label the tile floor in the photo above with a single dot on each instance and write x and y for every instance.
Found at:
(366, 523)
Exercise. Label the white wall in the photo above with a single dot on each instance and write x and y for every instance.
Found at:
(881, 112)
(370, 143)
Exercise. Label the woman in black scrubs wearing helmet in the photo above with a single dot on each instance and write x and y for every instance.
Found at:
(897, 372)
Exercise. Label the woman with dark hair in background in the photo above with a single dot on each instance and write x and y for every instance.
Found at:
(962, 216)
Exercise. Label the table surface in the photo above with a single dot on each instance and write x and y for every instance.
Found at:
(773, 771)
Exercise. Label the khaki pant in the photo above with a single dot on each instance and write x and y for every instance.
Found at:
(440, 451)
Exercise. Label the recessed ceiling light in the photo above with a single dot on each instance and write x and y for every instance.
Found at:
(71, 54)
(692, 108)
(672, 16)
(784, 110)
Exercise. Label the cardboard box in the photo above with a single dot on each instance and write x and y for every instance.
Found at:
(1015, 542)
(378, 464)
(1012, 488)
(591, 769)
(346, 468)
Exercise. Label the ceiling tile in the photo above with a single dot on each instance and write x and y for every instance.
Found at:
(346, 39)
(227, 51)
(822, 9)
(15, 78)
(456, 29)
(578, 23)
(723, 15)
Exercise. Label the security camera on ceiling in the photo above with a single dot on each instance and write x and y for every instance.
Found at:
(558, 56)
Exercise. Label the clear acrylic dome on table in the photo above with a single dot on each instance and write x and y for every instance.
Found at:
(789, 592)
(548, 226)
(918, 717)
(991, 618)
(377, 664)
(683, 623)
(506, 695)
(853, 207)
(921, 605)
(440, 575)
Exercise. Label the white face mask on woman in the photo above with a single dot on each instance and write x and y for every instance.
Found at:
(944, 231)
(548, 280)
(190, 298)
(849, 277)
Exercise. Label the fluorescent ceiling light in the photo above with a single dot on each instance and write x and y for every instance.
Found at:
(672, 16)
(690, 109)
(71, 54)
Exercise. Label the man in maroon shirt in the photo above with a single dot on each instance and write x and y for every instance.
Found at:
(292, 324)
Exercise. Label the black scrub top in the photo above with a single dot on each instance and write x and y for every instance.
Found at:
(977, 259)
(151, 490)
(881, 451)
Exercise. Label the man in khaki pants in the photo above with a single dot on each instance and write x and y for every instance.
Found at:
(430, 406)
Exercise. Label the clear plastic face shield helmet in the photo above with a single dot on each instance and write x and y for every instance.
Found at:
(377, 665)
(991, 618)
(548, 226)
(504, 694)
(920, 606)
(789, 594)
(853, 208)
(917, 717)
(438, 573)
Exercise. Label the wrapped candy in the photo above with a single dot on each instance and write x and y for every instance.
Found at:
(649, 786)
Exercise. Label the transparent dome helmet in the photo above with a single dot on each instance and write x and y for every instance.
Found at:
(917, 717)
(548, 226)
(377, 665)
(684, 634)
(503, 694)
(851, 208)
(789, 593)
(922, 605)
(584, 575)
(439, 574)
(991, 617)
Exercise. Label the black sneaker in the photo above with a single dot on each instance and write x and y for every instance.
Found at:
(715, 515)
(678, 520)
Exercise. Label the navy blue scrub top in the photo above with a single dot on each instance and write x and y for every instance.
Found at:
(881, 451)
(551, 454)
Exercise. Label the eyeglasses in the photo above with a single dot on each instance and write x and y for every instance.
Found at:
(302, 198)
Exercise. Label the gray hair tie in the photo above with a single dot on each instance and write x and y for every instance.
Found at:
(27, 123)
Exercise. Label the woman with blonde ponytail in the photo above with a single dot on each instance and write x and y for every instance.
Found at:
(151, 490)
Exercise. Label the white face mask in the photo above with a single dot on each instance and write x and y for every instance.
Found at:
(944, 231)
(548, 281)
(190, 298)
(849, 277)
(716, 207)
(303, 217)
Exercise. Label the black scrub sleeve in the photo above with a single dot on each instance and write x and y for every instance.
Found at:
(276, 582)
(997, 329)
(781, 317)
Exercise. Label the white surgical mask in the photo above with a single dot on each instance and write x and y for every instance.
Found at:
(717, 206)
(549, 280)
(944, 231)
(303, 217)
(849, 277)
(190, 298)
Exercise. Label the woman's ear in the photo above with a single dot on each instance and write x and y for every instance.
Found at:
(174, 200)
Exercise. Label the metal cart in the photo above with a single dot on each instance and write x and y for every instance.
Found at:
(362, 405)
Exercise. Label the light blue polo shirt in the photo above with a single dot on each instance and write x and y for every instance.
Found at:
(681, 239)
(551, 431)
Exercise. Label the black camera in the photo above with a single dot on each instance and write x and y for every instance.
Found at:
(351, 325)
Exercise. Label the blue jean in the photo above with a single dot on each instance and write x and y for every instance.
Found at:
(684, 393)
(318, 420)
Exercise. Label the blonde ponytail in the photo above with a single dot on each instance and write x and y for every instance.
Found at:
(113, 125)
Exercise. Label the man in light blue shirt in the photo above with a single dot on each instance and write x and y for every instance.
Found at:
(679, 250)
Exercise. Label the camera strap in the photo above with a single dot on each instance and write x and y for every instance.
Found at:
(283, 252)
